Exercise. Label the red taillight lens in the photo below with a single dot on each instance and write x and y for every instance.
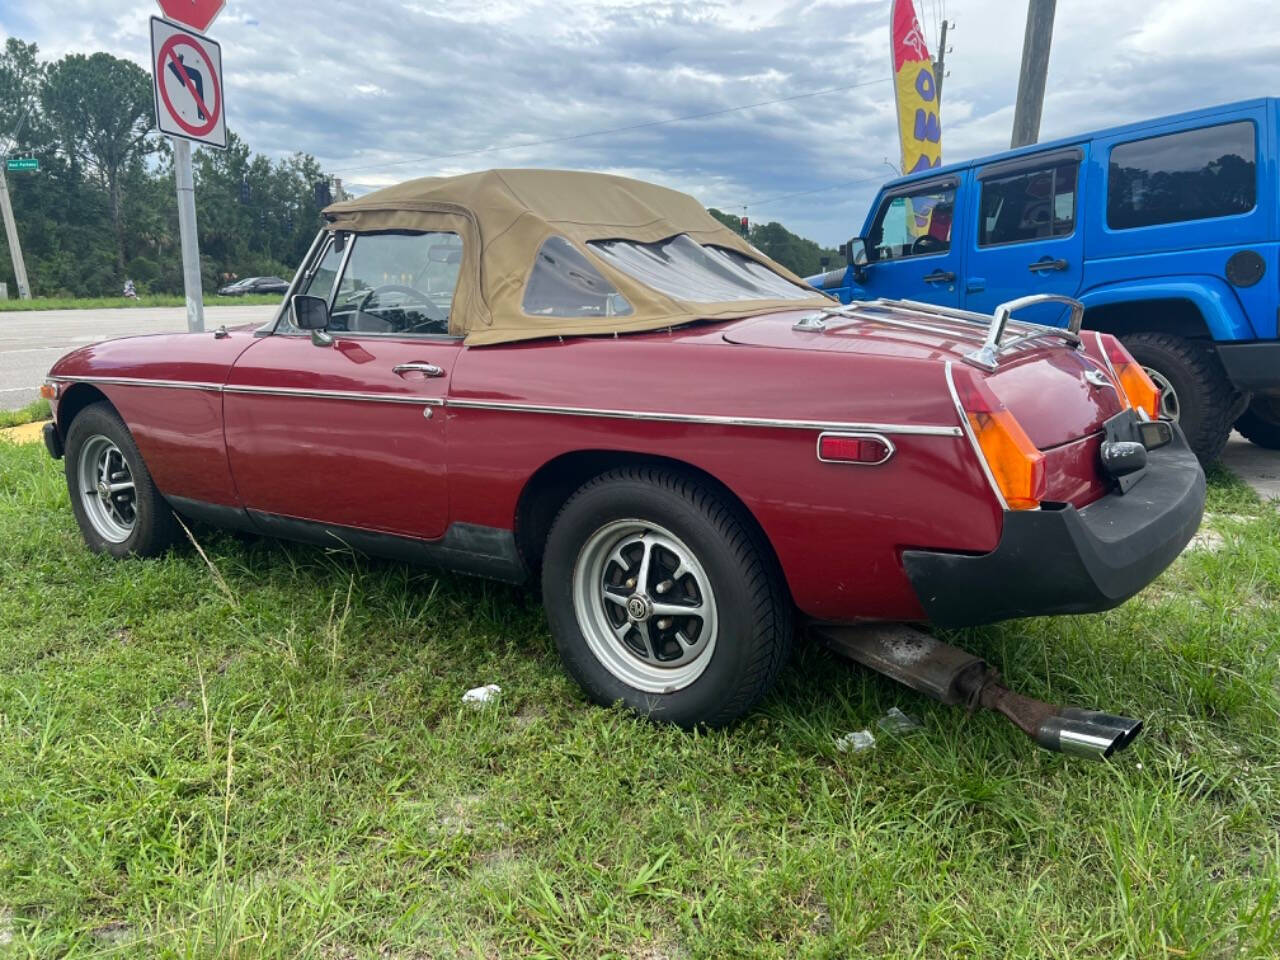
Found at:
(1138, 388)
(1015, 464)
(840, 448)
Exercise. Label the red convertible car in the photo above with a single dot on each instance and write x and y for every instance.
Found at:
(586, 379)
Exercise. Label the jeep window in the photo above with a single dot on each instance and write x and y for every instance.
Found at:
(1028, 206)
(1192, 175)
(563, 283)
(913, 224)
(687, 270)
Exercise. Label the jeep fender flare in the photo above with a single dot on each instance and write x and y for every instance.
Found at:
(1223, 316)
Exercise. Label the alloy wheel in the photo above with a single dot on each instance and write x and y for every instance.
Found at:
(1170, 409)
(107, 489)
(645, 605)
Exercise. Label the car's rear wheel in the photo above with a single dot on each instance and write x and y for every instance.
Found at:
(1194, 389)
(114, 500)
(662, 595)
(1260, 423)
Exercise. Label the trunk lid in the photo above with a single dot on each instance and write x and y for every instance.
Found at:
(1058, 394)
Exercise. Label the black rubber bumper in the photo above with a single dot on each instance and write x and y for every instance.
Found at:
(1067, 560)
(52, 442)
(1252, 367)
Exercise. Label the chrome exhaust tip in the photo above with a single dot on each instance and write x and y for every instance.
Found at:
(1087, 733)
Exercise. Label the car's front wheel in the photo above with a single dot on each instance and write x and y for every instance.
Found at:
(662, 595)
(115, 502)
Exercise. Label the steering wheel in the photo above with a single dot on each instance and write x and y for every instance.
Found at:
(435, 316)
(928, 244)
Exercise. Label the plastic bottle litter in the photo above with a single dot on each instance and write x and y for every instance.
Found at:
(895, 721)
(856, 741)
(482, 695)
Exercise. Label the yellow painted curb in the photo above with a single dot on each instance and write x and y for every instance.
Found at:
(27, 433)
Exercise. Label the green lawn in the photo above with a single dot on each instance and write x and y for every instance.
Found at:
(150, 300)
(36, 410)
(270, 759)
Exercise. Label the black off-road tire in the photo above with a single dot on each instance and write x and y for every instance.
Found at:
(154, 527)
(1260, 423)
(1208, 402)
(753, 607)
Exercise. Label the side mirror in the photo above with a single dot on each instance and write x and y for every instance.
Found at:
(855, 255)
(311, 313)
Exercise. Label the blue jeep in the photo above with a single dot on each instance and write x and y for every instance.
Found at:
(1168, 231)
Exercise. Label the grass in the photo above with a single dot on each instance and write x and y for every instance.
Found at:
(36, 410)
(274, 762)
(149, 300)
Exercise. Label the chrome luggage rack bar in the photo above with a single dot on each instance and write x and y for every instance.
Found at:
(906, 313)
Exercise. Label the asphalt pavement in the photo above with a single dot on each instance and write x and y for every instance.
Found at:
(31, 341)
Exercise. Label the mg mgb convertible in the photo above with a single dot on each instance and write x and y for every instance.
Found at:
(588, 381)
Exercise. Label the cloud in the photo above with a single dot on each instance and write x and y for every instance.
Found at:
(368, 86)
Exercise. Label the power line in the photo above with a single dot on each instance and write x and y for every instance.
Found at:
(611, 130)
(805, 193)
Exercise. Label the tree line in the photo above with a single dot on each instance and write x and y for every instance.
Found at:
(101, 208)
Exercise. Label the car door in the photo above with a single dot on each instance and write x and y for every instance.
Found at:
(352, 433)
(910, 254)
(1024, 237)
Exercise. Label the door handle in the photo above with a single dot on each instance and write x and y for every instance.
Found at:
(426, 369)
(975, 284)
(940, 276)
(1047, 265)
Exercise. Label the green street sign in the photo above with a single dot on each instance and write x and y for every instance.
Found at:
(23, 163)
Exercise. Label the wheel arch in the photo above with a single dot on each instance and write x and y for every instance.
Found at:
(1199, 309)
(74, 399)
(554, 482)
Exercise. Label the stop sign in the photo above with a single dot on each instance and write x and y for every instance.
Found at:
(196, 14)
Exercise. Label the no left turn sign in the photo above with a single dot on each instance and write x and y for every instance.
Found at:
(187, 74)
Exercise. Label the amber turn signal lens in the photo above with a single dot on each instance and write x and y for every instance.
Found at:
(48, 391)
(1015, 464)
(1138, 388)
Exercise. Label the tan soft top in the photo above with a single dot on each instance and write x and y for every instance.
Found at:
(503, 217)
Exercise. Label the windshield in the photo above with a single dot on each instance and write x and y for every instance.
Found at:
(684, 269)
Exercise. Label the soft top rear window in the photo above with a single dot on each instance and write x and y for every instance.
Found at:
(684, 269)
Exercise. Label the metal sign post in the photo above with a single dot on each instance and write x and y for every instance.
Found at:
(187, 71)
(11, 236)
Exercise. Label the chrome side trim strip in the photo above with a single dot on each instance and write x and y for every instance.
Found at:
(973, 440)
(143, 382)
(902, 429)
(334, 395)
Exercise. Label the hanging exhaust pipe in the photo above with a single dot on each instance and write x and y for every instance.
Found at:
(949, 674)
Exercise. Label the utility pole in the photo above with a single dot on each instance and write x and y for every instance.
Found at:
(187, 234)
(939, 67)
(11, 236)
(1035, 68)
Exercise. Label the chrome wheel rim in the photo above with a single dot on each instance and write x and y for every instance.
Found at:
(645, 606)
(1170, 409)
(106, 489)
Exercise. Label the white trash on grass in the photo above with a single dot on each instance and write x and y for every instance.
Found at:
(895, 721)
(478, 696)
(854, 742)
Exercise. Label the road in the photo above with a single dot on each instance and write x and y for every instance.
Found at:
(30, 342)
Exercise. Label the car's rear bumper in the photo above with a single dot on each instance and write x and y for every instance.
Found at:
(1069, 560)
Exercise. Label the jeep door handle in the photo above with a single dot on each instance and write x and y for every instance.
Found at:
(426, 369)
(940, 276)
(1047, 265)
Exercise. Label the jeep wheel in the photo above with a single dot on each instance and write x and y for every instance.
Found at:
(1260, 423)
(117, 506)
(1194, 389)
(660, 594)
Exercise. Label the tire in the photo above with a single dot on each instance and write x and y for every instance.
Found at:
(707, 668)
(130, 521)
(1260, 423)
(1202, 399)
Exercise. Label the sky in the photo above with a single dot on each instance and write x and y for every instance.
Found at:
(385, 90)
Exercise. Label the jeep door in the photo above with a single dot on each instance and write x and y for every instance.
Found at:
(910, 254)
(1024, 236)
